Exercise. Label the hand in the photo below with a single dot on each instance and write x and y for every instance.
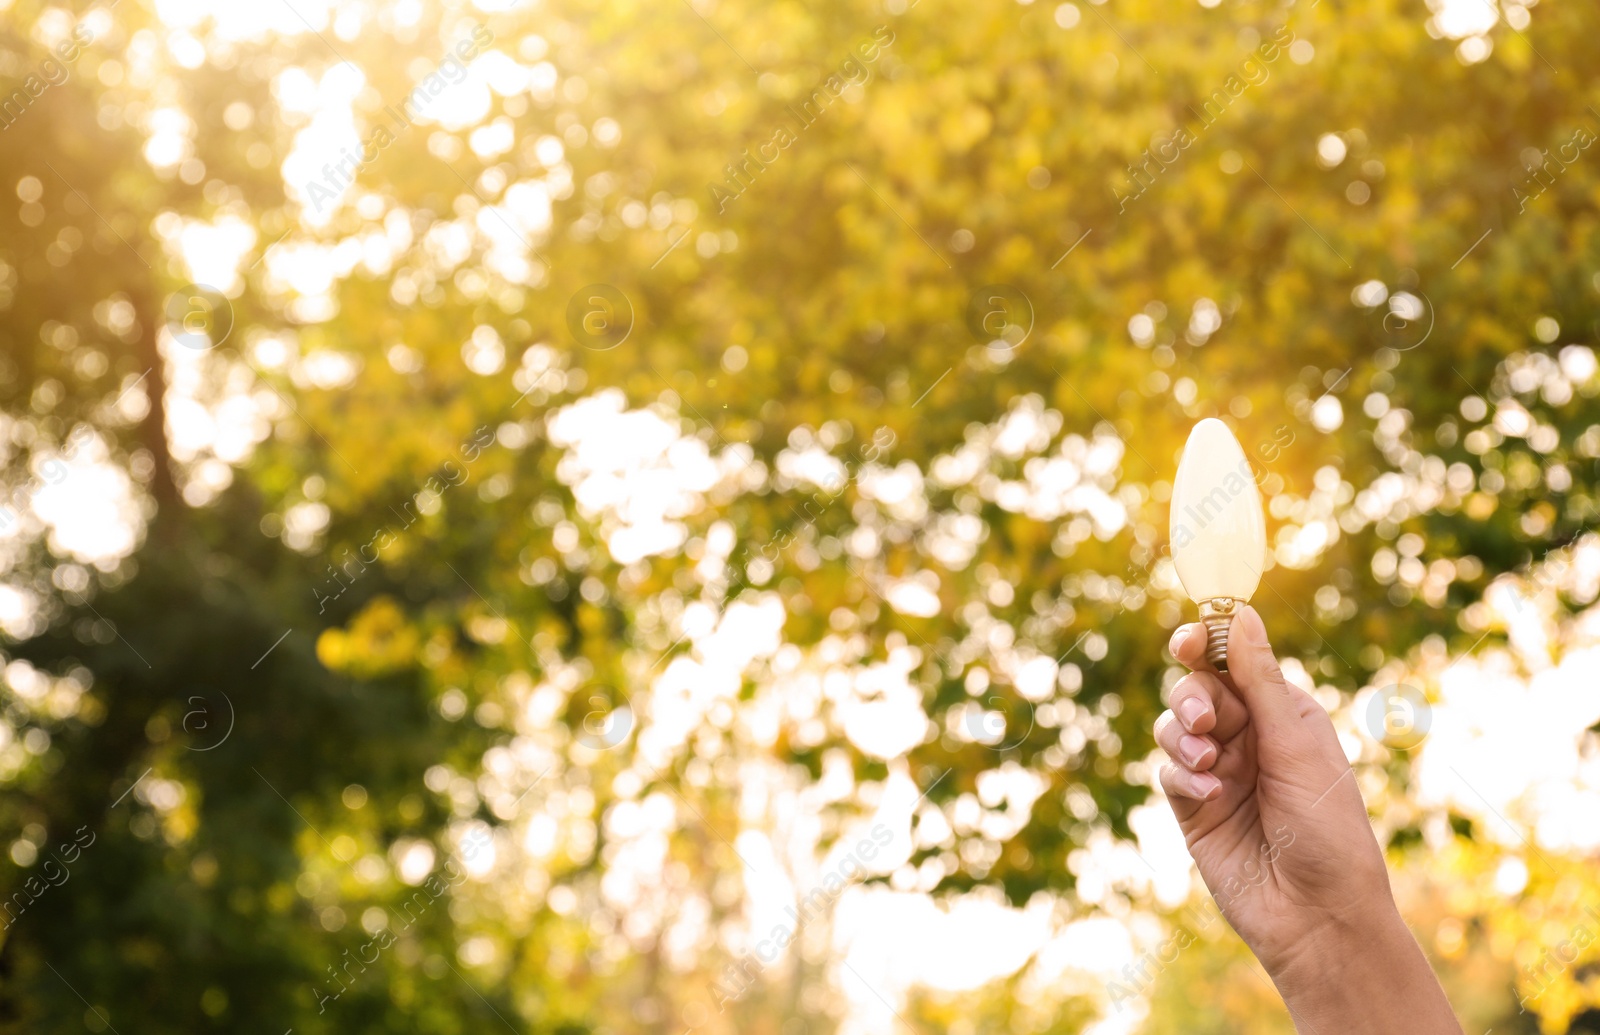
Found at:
(1267, 802)
(1271, 813)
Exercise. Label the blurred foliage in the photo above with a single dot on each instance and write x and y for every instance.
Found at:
(824, 304)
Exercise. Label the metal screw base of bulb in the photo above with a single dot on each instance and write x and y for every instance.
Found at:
(1217, 614)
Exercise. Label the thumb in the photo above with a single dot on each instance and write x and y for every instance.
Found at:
(1270, 698)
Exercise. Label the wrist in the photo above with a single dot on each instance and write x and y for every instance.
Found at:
(1361, 971)
(1336, 941)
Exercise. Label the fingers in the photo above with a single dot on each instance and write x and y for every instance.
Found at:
(1195, 752)
(1255, 672)
(1183, 783)
(1188, 645)
(1203, 703)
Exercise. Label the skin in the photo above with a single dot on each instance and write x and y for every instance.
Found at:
(1275, 822)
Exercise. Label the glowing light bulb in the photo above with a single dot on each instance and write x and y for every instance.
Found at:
(1219, 535)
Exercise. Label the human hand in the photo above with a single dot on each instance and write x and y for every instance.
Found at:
(1272, 815)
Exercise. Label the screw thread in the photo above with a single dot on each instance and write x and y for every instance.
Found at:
(1217, 642)
(1217, 614)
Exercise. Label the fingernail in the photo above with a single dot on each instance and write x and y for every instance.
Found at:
(1193, 749)
(1250, 627)
(1178, 637)
(1205, 785)
(1190, 711)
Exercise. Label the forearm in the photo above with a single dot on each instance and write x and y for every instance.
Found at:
(1365, 978)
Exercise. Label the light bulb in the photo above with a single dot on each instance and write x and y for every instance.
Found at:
(1219, 536)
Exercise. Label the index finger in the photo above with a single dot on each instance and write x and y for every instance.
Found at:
(1227, 712)
(1188, 645)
